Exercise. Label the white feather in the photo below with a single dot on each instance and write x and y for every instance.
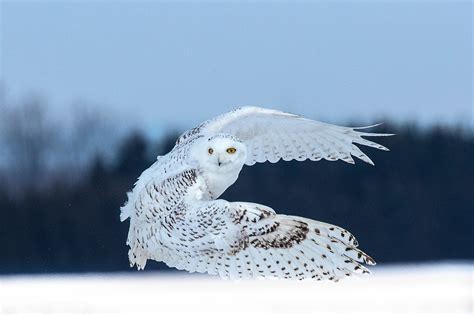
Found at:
(260, 129)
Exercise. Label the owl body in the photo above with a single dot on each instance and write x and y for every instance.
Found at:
(176, 216)
(176, 183)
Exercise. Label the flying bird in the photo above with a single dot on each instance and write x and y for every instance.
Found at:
(176, 216)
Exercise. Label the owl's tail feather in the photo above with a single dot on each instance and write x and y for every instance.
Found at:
(137, 257)
(137, 254)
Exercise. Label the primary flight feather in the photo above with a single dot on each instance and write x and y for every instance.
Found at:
(175, 216)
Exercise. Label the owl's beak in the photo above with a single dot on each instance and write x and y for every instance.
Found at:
(219, 162)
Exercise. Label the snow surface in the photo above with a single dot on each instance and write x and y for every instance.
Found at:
(405, 289)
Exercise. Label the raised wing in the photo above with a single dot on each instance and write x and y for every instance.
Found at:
(271, 135)
(247, 240)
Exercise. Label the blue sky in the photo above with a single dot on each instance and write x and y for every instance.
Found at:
(162, 64)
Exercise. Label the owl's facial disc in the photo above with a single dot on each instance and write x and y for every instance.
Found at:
(225, 154)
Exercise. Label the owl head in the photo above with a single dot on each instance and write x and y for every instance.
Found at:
(221, 153)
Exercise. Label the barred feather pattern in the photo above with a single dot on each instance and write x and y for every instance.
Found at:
(155, 211)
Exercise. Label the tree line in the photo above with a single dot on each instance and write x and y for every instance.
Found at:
(61, 191)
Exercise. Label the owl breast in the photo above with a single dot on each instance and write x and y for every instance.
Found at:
(216, 183)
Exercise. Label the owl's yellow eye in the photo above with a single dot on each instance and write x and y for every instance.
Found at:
(231, 150)
(210, 151)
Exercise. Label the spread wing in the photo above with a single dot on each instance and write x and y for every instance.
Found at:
(271, 135)
(248, 240)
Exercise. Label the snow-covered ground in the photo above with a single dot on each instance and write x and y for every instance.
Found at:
(414, 289)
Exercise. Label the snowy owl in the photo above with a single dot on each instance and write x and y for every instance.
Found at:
(176, 216)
